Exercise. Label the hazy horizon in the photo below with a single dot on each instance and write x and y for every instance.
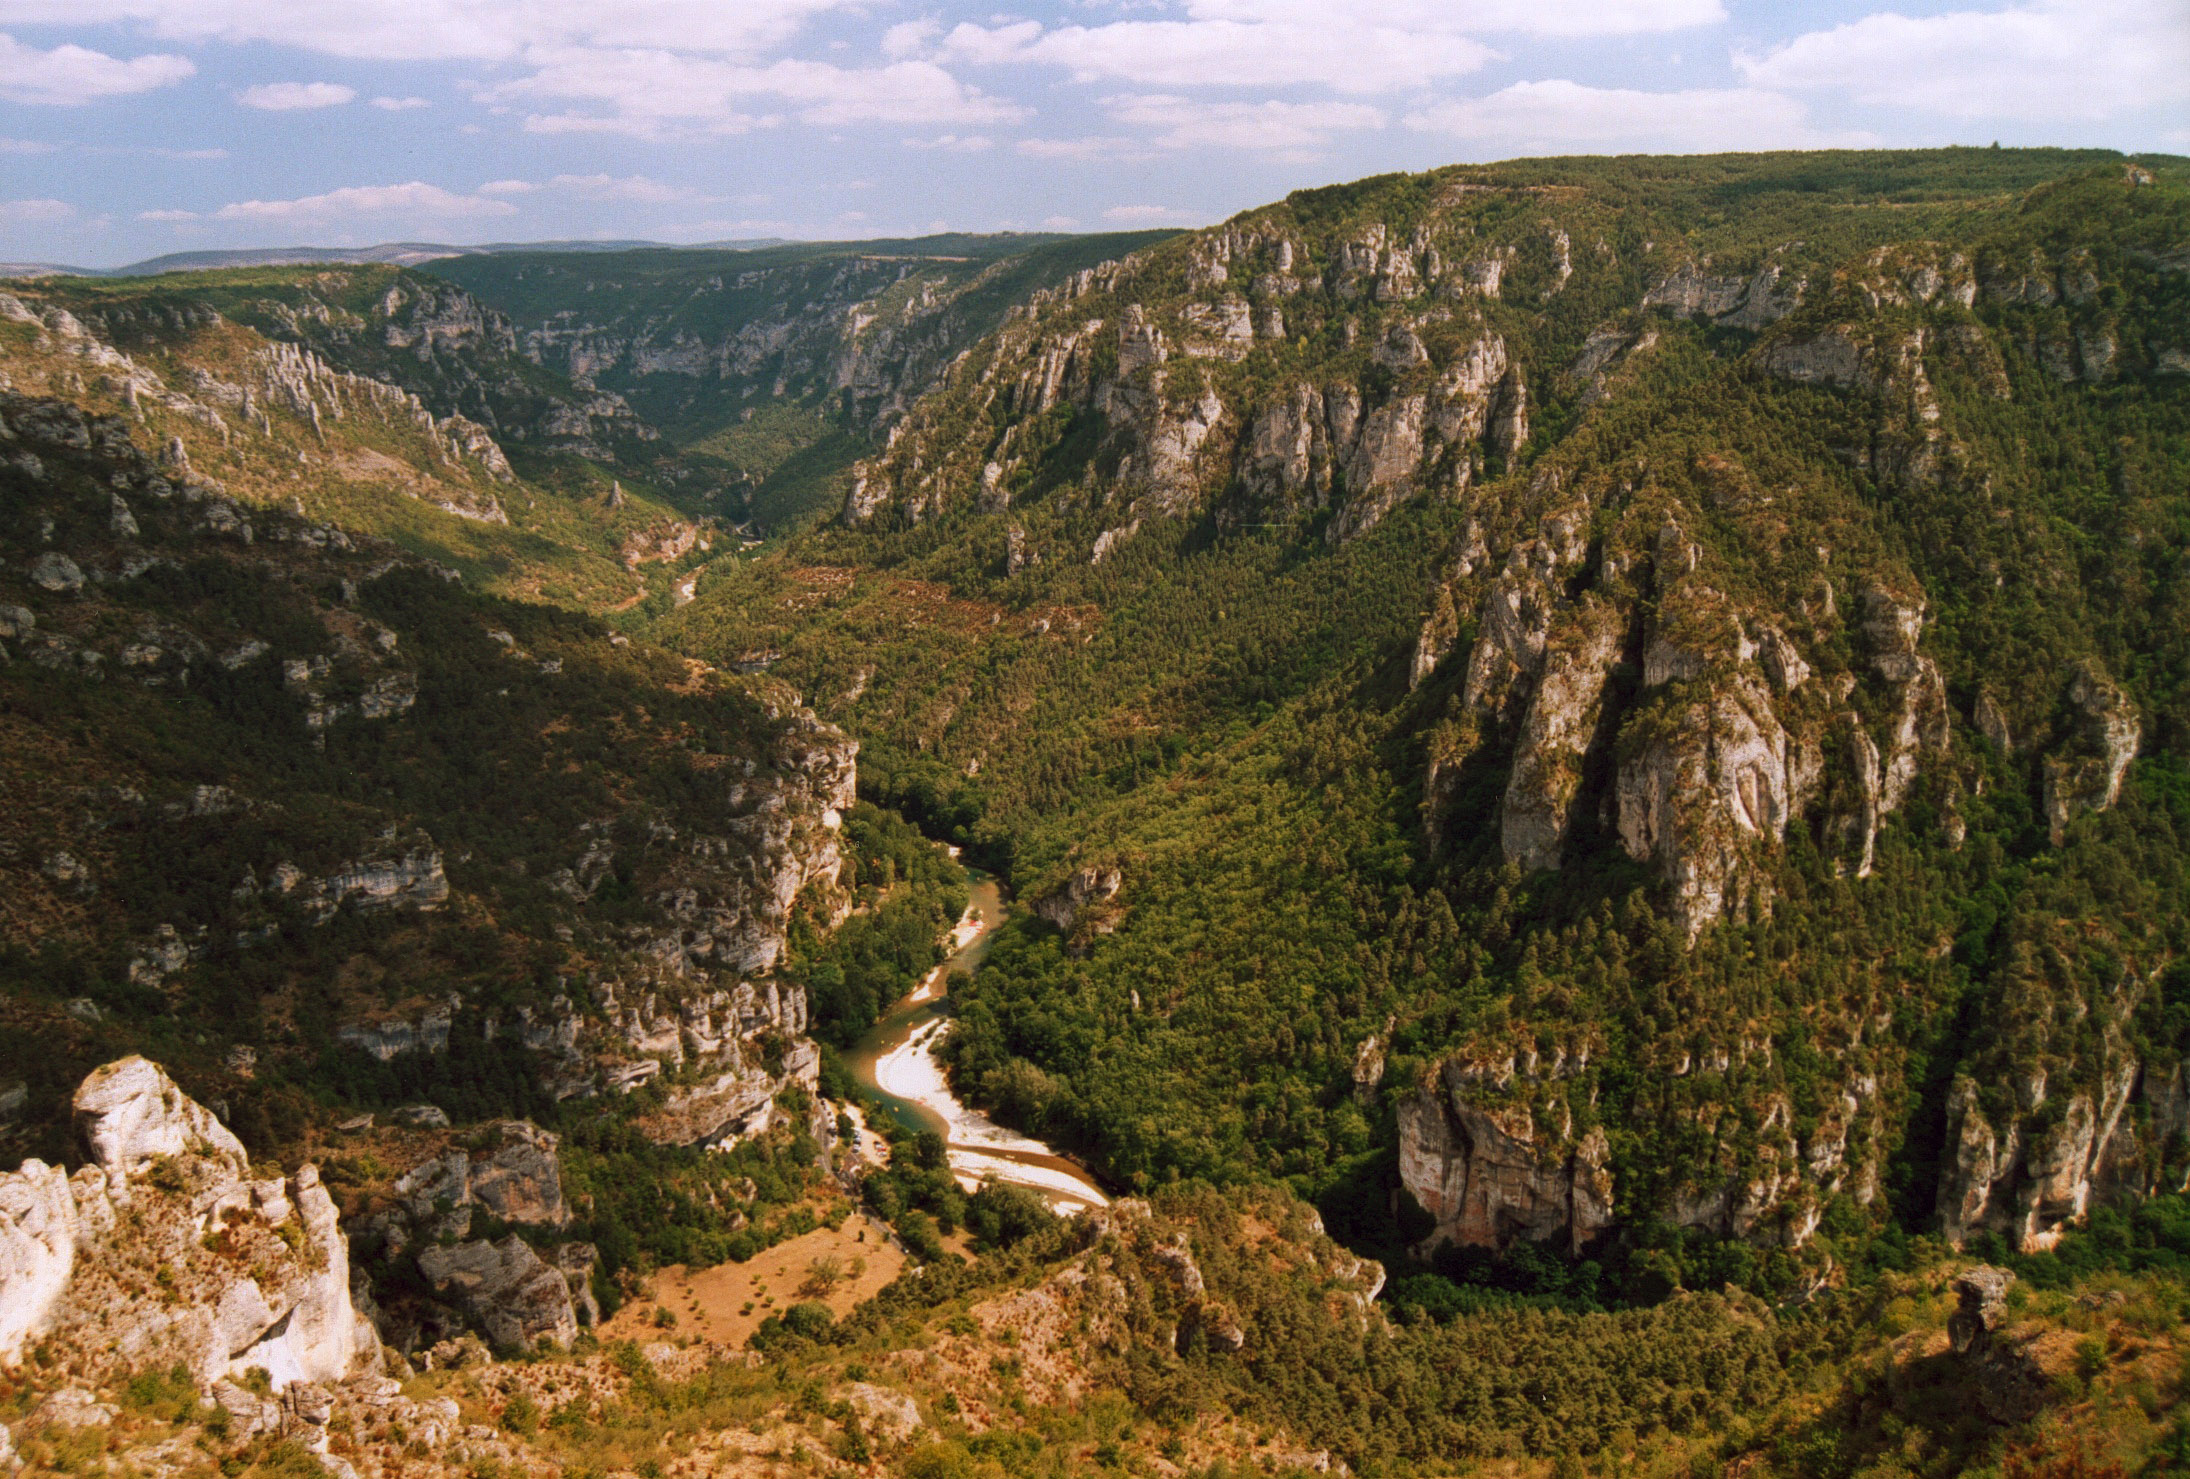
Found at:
(137, 128)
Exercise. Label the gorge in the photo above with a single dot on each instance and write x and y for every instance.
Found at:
(1533, 815)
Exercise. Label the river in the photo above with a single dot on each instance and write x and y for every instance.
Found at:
(896, 1063)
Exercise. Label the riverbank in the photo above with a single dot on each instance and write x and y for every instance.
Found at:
(896, 1063)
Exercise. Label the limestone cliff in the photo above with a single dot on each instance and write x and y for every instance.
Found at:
(165, 1248)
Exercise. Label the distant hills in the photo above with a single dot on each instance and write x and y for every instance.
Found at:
(396, 253)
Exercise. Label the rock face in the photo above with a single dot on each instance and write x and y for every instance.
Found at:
(1735, 302)
(2029, 1175)
(253, 1273)
(37, 1253)
(729, 897)
(508, 1290)
(131, 1114)
(1439, 394)
(1557, 733)
(876, 331)
(1981, 1307)
(2088, 778)
(511, 1173)
(1488, 1174)
(1083, 898)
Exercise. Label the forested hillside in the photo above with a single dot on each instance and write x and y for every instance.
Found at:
(1591, 760)
(381, 400)
(1606, 694)
(771, 371)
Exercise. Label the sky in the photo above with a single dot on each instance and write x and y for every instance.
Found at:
(130, 128)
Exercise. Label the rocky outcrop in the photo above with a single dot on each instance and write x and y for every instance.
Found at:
(394, 1038)
(1488, 1172)
(1735, 302)
(2030, 1171)
(250, 1272)
(37, 1253)
(728, 896)
(2088, 777)
(510, 1172)
(1082, 904)
(512, 1294)
(892, 1416)
(1557, 733)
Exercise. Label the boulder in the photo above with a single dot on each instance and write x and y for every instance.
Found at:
(56, 572)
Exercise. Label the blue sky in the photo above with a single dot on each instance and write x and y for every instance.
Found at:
(133, 127)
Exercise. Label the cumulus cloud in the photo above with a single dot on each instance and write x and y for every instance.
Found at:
(36, 212)
(1477, 17)
(1356, 58)
(2054, 60)
(1149, 215)
(400, 105)
(1106, 147)
(167, 215)
(1287, 128)
(292, 97)
(653, 92)
(70, 75)
(953, 143)
(446, 30)
(1351, 46)
(415, 201)
(1532, 117)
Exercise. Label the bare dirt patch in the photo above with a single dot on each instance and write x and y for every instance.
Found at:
(725, 1304)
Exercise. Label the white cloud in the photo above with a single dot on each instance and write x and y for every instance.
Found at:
(69, 75)
(415, 200)
(36, 212)
(293, 97)
(446, 30)
(1149, 215)
(635, 188)
(1061, 223)
(954, 143)
(1534, 117)
(909, 38)
(1290, 128)
(1477, 17)
(653, 92)
(400, 105)
(1351, 46)
(1355, 58)
(1103, 147)
(26, 146)
(169, 215)
(2057, 59)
